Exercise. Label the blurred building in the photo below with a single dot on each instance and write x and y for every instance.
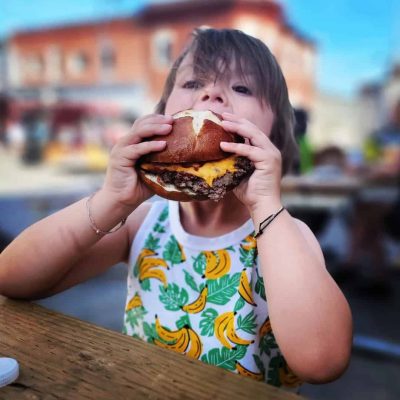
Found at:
(348, 122)
(3, 66)
(335, 121)
(124, 61)
(377, 101)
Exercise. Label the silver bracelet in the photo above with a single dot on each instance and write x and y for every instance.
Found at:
(93, 225)
(263, 225)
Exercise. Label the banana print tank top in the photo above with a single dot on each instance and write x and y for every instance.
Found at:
(202, 297)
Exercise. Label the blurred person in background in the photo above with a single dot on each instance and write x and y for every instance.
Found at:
(4, 115)
(304, 163)
(16, 137)
(12, 135)
(376, 211)
(37, 128)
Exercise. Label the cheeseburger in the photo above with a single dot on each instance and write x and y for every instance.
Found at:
(192, 166)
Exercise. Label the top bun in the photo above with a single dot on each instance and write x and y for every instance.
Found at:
(195, 137)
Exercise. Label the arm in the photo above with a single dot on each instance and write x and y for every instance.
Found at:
(63, 249)
(305, 300)
(309, 315)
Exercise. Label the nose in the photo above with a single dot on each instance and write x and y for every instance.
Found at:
(213, 93)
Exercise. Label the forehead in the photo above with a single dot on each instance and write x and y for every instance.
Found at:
(217, 67)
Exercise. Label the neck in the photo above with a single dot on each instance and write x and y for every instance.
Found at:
(210, 219)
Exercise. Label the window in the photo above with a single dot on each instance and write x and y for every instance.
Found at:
(108, 59)
(54, 64)
(78, 63)
(34, 66)
(162, 49)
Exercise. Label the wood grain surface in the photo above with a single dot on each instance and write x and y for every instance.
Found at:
(64, 358)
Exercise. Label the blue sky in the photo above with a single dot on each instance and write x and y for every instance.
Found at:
(356, 39)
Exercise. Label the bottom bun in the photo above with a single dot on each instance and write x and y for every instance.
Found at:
(168, 191)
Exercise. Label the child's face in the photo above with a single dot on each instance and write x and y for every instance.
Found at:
(231, 95)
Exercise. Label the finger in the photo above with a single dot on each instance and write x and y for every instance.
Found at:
(230, 117)
(249, 131)
(134, 152)
(154, 118)
(253, 153)
(144, 131)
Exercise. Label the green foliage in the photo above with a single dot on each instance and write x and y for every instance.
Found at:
(190, 281)
(183, 321)
(172, 251)
(224, 357)
(260, 288)
(152, 243)
(248, 323)
(158, 228)
(239, 304)
(221, 290)
(247, 257)
(259, 363)
(173, 297)
(267, 343)
(275, 364)
(199, 264)
(207, 322)
(135, 316)
(145, 285)
(150, 331)
(164, 214)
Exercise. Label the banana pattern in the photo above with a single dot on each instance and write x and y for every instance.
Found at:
(199, 304)
(165, 334)
(250, 243)
(245, 290)
(154, 273)
(134, 302)
(184, 340)
(226, 333)
(207, 303)
(258, 376)
(151, 262)
(265, 328)
(147, 265)
(183, 256)
(288, 378)
(218, 263)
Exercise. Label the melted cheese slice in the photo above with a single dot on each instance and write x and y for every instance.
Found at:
(209, 171)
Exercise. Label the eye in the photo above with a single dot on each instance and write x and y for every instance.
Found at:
(242, 89)
(192, 85)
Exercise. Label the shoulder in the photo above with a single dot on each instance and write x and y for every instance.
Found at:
(150, 209)
(310, 238)
(136, 219)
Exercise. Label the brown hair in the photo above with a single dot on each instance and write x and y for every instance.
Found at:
(214, 50)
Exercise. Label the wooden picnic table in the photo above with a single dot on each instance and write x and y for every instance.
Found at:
(61, 357)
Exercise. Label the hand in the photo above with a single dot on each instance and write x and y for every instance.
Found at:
(262, 189)
(122, 180)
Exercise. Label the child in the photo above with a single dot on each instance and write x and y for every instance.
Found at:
(199, 282)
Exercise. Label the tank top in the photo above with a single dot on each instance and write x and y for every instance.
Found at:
(202, 297)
